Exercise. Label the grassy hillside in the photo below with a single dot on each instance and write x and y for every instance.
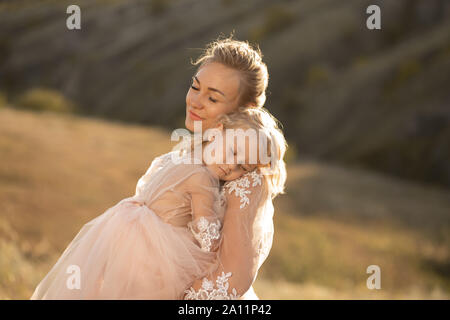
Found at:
(59, 171)
(376, 99)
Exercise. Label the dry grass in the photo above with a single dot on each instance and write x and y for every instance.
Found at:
(59, 171)
(334, 222)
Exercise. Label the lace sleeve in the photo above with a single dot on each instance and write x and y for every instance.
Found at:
(211, 291)
(207, 210)
(206, 232)
(246, 240)
(240, 186)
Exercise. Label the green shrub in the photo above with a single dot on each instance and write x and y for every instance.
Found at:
(40, 99)
(402, 73)
(276, 19)
(407, 70)
(228, 3)
(158, 7)
(317, 74)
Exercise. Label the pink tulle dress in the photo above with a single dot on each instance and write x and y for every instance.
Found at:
(152, 245)
(171, 240)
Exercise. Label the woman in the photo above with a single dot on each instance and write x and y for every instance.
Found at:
(141, 248)
(232, 75)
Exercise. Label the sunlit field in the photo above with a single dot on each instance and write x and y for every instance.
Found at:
(58, 171)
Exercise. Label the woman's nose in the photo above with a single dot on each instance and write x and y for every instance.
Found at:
(195, 103)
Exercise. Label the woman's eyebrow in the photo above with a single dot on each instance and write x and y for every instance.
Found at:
(209, 88)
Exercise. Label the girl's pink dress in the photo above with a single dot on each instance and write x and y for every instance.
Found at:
(148, 246)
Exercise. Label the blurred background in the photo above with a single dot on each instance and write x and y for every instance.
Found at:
(366, 114)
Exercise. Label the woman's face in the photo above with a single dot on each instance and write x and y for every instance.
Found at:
(214, 91)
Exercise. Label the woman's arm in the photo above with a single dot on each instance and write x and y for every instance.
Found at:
(239, 255)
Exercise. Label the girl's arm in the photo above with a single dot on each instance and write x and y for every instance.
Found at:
(206, 223)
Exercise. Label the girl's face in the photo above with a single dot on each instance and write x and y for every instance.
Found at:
(231, 171)
(214, 91)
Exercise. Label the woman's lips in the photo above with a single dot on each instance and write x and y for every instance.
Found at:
(194, 116)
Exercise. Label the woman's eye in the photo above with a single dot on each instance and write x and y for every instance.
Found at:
(197, 89)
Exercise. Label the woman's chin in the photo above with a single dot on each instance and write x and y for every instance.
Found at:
(189, 124)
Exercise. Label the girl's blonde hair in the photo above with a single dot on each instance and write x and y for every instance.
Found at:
(244, 58)
(264, 123)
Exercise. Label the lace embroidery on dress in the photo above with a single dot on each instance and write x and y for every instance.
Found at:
(207, 232)
(239, 186)
(208, 292)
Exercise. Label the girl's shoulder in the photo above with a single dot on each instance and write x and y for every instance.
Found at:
(195, 174)
(200, 175)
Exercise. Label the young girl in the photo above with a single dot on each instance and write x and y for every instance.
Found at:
(247, 232)
(152, 245)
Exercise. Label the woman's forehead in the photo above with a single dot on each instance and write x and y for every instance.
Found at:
(218, 76)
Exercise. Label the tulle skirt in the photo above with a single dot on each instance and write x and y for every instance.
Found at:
(128, 252)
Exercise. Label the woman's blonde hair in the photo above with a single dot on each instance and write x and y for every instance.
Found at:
(244, 58)
(264, 123)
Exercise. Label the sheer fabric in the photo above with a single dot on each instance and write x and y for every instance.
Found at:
(247, 237)
(148, 246)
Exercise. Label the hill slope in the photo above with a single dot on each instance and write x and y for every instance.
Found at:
(377, 99)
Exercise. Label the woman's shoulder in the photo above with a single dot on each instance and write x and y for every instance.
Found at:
(174, 160)
(161, 160)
